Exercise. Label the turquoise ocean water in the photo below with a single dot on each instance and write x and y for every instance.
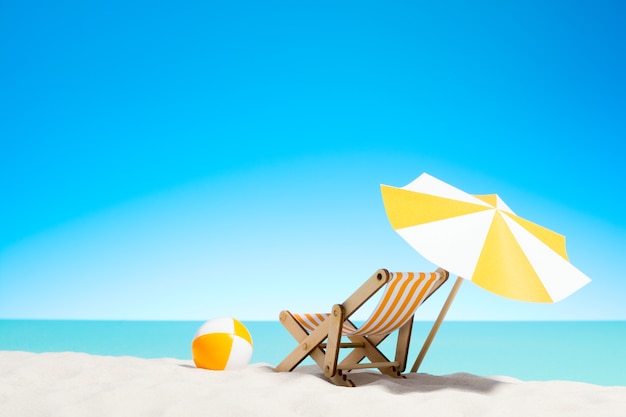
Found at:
(588, 351)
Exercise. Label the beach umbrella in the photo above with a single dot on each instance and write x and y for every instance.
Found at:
(480, 239)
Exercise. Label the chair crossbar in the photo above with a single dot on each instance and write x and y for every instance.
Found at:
(345, 345)
(369, 365)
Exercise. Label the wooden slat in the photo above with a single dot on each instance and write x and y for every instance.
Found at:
(345, 345)
(365, 291)
(334, 339)
(402, 345)
(378, 365)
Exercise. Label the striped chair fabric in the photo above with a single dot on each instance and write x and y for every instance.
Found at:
(402, 296)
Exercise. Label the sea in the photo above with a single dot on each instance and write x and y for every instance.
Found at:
(585, 351)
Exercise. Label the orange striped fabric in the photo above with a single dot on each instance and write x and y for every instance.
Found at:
(311, 321)
(402, 296)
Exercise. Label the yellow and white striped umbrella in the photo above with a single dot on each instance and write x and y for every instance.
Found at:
(480, 239)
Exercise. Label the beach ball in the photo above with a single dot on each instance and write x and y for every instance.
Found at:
(222, 344)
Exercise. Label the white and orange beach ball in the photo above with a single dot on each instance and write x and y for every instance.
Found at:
(222, 344)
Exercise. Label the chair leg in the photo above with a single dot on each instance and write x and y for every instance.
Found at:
(336, 319)
(402, 347)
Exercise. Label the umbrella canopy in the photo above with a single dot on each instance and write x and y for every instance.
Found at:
(479, 238)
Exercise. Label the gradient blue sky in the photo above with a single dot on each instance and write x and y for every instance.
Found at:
(189, 160)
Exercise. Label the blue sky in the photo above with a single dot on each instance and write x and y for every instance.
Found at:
(189, 160)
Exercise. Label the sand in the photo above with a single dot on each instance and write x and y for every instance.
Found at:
(76, 384)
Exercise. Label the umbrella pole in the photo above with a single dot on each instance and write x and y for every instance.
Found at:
(433, 331)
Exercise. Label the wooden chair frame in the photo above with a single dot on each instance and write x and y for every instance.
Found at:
(326, 355)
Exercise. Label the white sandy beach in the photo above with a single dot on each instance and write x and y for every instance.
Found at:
(76, 384)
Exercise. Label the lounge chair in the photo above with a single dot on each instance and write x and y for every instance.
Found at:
(403, 294)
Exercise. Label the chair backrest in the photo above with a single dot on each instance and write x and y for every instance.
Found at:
(404, 293)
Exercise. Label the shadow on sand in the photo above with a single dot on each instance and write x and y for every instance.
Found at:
(418, 382)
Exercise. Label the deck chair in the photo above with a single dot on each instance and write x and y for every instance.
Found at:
(404, 293)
